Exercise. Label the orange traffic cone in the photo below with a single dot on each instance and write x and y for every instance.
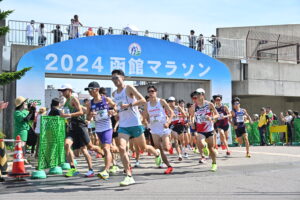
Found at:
(18, 170)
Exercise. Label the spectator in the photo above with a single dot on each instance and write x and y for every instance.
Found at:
(200, 43)
(89, 32)
(192, 40)
(30, 29)
(166, 37)
(57, 33)
(42, 112)
(21, 120)
(3, 105)
(270, 113)
(178, 39)
(71, 30)
(255, 118)
(216, 45)
(287, 121)
(146, 33)
(262, 125)
(100, 31)
(110, 31)
(54, 110)
(124, 32)
(77, 23)
(42, 35)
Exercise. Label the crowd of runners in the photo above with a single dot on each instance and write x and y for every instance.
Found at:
(128, 124)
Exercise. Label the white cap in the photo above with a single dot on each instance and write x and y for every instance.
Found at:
(200, 90)
(66, 86)
(171, 99)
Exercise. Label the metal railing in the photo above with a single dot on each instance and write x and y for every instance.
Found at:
(230, 48)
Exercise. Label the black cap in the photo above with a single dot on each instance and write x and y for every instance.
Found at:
(92, 85)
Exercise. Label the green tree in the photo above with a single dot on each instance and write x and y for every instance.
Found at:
(8, 77)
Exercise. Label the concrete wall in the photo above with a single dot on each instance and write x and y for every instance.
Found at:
(9, 91)
(278, 104)
(180, 90)
(241, 32)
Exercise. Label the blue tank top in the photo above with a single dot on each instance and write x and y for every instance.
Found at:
(102, 119)
(238, 119)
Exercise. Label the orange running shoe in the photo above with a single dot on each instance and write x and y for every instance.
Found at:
(169, 170)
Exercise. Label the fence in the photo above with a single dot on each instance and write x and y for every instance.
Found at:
(230, 48)
(52, 137)
(277, 138)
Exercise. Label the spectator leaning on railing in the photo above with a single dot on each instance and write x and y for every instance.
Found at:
(200, 43)
(71, 30)
(216, 45)
(166, 37)
(30, 29)
(42, 35)
(100, 31)
(76, 24)
(192, 39)
(89, 32)
(178, 39)
(57, 33)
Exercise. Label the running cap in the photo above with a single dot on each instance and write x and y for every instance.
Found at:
(200, 90)
(65, 86)
(171, 99)
(92, 85)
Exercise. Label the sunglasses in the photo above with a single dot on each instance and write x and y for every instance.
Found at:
(217, 99)
(91, 89)
(194, 98)
(171, 101)
(201, 93)
(236, 103)
(151, 91)
(114, 78)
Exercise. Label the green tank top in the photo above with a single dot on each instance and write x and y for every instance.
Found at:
(68, 108)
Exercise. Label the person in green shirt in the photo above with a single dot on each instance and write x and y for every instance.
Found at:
(22, 117)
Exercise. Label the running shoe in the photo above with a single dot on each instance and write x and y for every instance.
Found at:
(223, 147)
(228, 153)
(248, 155)
(90, 173)
(206, 151)
(104, 175)
(128, 180)
(171, 151)
(114, 169)
(133, 155)
(72, 172)
(214, 168)
(196, 150)
(202, 160)
(169, 170)
(180, 157)
(158, 158)
(186, 155)
(137, 164)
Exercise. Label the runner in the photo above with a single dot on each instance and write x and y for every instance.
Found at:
(99, 110)
(128, 99)
(238, 119)
(222, 123)
(159, 123)
(77, 134)
(176, 126)
(204, 113)
(186, 133)
(192, 125)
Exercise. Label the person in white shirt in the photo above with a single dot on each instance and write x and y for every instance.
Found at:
(30, 32)
(178, 39)
(42, 35)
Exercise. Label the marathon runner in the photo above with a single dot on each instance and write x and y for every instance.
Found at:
(128, 99)
(98, 109)
(155, 114)
(222, 123)
(186, 132)
(204, 113)
(176, 125)
(77, 134)
(238, 118)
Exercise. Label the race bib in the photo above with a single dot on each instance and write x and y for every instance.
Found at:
(221, 116)
(156, 118)
(201, 119)
(102, 114)
(240, 118)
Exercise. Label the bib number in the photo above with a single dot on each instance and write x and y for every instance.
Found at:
(201, 119)
(240, 118)
(101, 115)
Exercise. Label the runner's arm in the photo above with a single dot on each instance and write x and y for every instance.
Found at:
(145, 115)
(228, 112)
(78, 107)
(248, 116)
(169, 110)
(214, 111)
(140, 99)
(111, 103)
(182, 111)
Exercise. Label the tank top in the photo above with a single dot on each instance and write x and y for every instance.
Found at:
(222, 112)
(238, 118)
(157, 114)
(203, 125)
(68, 108)
(102, 119)
(128, 117)
(176, 118)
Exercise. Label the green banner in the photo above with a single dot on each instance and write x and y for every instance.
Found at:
(52, 138)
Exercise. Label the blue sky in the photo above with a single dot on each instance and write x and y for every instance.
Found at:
(173, 16)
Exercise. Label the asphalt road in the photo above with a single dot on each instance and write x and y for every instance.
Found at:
(271, 173)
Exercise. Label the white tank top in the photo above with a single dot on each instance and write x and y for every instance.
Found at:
(157, 115)
(127, 117)
(202, 124)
